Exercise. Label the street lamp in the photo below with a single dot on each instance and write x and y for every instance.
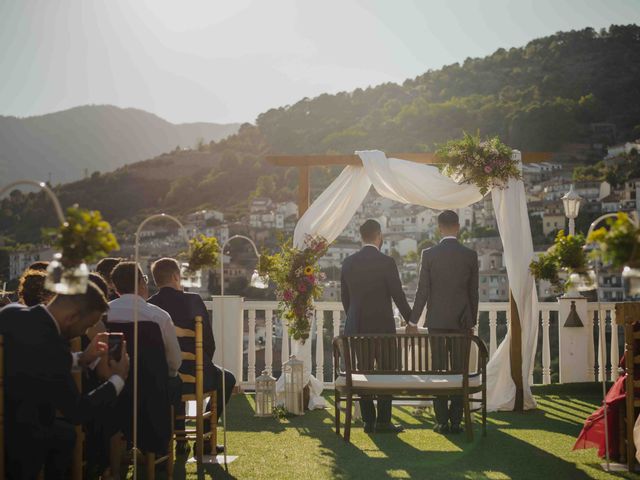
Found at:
(571, 201)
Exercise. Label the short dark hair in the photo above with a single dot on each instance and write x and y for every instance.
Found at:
(106, 266)
(123, 277)
(100, 283)
(40, 266)
(448, 218)
(31, 290)
(163, 269)
(91, 301)
(370, 229)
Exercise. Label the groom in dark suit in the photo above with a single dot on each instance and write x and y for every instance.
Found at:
(448, 286)
(369, 282)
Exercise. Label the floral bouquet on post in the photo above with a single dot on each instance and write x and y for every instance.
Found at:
(298, 281)
(84, 237)
(485, 163)
(203, 253)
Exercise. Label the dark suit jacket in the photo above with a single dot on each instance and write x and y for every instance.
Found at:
(183, 308)
(370, 280)
(448, 286)
(38, 378)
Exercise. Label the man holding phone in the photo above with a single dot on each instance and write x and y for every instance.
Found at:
(39, 381)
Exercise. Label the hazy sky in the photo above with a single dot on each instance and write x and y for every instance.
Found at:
(223, 61)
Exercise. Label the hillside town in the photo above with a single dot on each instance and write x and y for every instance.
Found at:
(408, 229)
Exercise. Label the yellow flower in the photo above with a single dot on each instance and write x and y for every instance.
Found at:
(308, 271)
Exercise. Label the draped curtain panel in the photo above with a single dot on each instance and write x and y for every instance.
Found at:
(418, 184)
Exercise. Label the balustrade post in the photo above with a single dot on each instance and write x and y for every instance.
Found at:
(602, 337)
(335, 315)
(284, 353)
(251, 367)
(320, 345)
(591, 354)
(493, 335)
(546, 349)
(268, 348)
(614, 353)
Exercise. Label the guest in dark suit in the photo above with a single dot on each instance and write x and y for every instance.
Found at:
(38, 378)
(183, 308)
(369, 283)
(448, 286)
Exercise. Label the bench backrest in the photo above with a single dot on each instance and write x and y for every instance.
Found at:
(411, 354)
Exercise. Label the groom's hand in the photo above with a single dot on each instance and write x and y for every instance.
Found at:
(411, 329)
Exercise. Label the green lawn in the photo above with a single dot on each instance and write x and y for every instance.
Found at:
(535, 445)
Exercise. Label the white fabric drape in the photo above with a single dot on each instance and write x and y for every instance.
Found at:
(418, 184)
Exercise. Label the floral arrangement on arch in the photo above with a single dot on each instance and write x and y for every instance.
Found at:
(298, 281)
(619, 244)
(485, 163)
(203, 253)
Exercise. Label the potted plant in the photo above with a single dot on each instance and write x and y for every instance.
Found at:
(485, 163)
(565, 264)
(84, 237)
(619, 246)
(203, 253)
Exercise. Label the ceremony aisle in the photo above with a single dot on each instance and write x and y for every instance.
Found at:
(307, 447)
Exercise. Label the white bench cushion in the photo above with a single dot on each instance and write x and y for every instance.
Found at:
(409, 382)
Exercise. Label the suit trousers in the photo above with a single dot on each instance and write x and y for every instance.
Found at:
(447, 353)
(377, 360)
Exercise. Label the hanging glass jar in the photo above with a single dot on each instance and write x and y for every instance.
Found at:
(66, 280)
(189, 278)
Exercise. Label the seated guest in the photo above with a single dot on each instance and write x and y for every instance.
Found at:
(38, 380)
(104, 269)
(31, 290)
(183, 308)
(121, 310)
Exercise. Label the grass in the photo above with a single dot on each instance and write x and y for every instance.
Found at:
(533, 445)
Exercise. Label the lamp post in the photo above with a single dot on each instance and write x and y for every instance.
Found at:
(571, 201)
(256, 282)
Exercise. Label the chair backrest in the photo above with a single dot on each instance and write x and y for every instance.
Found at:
(154, 407)
(411, 354)
(198, 357)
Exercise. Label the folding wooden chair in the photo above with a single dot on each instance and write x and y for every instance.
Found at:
(2, 465)
(197, 434)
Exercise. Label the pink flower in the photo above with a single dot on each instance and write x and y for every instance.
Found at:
(302, 288)
(488, 169)
(287, 295)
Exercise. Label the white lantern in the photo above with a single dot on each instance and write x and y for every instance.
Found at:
(265, 394)
(293, 385)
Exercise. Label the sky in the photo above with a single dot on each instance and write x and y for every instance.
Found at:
(229, 60)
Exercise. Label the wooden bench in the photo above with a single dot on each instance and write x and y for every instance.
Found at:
(401, 366)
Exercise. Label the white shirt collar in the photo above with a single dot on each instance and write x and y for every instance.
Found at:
(53, 319)
(448, 237)
(370, 245)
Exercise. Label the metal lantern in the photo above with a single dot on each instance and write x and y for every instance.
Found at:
(265, 394)
(571, 201)
(293, 385)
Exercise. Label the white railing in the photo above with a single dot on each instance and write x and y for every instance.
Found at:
(264, 332)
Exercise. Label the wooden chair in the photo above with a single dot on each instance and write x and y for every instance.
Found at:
(152, 368)
(198, 396)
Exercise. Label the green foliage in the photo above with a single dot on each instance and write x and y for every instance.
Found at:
(204, 253)
(484, 163)
(567, 253)
(84, 237)
(297, 277)
(619, 243)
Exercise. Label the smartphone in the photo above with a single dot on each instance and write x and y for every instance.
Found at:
(115, 345)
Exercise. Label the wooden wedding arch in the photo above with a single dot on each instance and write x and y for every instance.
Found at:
(304, 163)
